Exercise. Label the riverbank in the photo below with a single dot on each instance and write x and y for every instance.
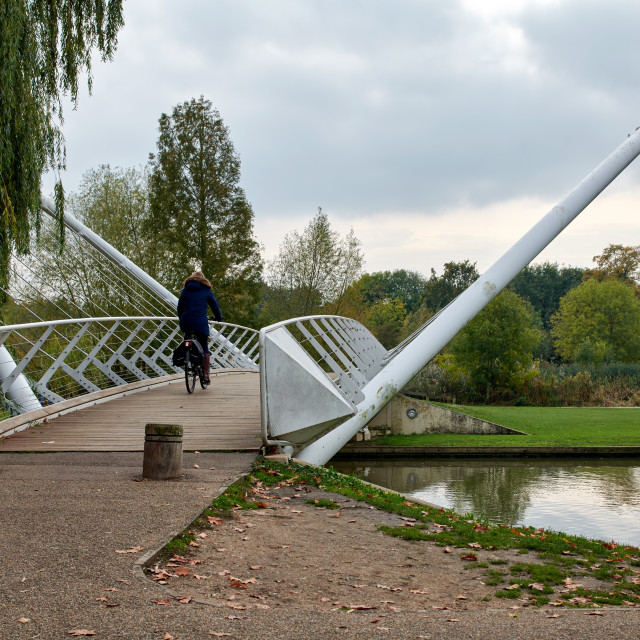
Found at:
(268, 541)
(372, 450)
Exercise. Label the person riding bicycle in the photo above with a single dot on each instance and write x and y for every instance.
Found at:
(192, 311)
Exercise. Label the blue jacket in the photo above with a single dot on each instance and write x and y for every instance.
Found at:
(192, 307)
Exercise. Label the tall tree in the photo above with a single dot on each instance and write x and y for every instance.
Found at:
(44, 46)
(385, 319)
(312, 271)
(496, 348)
(544, 284)
(617, 262)
(114, 204)
(598, 320)
(399, 284)
(200, 214)
(441, 290)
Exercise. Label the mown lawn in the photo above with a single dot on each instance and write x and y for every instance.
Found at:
(545, 426)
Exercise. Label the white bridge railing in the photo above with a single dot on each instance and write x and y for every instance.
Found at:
(312, 373)
(64, 359)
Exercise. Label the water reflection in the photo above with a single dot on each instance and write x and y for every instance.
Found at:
(596, 498)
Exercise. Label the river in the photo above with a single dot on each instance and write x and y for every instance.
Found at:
(597, 498)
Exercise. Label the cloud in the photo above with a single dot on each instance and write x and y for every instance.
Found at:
(426, 113)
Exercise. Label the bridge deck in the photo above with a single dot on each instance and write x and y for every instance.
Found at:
(226, 416)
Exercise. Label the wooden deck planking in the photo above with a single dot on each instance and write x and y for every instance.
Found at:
(226, 416)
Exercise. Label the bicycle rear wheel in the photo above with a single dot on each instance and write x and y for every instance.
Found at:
(190, 374)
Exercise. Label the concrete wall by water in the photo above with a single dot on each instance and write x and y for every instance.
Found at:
(428, 418)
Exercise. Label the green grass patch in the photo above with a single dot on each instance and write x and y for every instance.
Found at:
(544, 426)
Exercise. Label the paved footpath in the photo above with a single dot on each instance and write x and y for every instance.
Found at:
(65, 516)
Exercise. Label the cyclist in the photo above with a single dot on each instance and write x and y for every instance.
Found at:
(192, 311)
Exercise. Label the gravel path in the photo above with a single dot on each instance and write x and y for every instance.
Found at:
(66, 517)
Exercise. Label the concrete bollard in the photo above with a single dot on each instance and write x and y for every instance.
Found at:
(162, 451)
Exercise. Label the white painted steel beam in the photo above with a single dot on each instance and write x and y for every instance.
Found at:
(434, 336)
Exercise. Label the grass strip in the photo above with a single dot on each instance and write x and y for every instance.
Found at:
(544, 426)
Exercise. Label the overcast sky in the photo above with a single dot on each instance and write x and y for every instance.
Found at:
(438, 129)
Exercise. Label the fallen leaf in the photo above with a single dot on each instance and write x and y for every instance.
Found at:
(219, 634)
(475, 545)
(447, 550)
(178, 559)
(212, 520)
(196, 466)
(167, 636)
(81, 632)
(181, 571)
(453, 620)
(132, 550)
(255, 567)
(461, 597)
(111, 589)
(514, 615)
(554, 615)
(224, 572)
(24, 620)
(594, 613)
(102, 599)
(237, 584)
(469, 556)
(536, 586)
(185, 599)
(165, 603)
(420, 591)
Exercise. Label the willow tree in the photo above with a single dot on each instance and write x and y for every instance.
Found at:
(44, 47)
(200, 215)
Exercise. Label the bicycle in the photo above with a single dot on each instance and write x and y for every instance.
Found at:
(193, 360)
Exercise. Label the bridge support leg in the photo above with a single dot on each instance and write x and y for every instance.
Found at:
(19, 392)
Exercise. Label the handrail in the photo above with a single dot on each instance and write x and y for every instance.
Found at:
(63, 359)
